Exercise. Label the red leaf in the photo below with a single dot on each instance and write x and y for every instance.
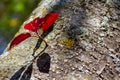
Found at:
(45, 22)
(34, 25)
(49, 19)
(19, 39)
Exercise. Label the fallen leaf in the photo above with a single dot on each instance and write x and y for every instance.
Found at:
(49, 19)
(34, 25)
(43, 63)
(18, 39)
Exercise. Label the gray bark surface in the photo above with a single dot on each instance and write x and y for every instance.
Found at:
(84, 44)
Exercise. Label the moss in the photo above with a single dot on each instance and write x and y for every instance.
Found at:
(68, 43)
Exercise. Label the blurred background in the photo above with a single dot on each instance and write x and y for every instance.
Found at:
(12, 14)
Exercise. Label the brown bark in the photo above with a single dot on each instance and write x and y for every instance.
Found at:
(84, 44)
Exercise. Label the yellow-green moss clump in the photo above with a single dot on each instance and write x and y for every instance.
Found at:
(68, 43)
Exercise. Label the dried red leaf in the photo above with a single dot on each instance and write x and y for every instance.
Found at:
(19, 39)
(34, 25)
(49, 19)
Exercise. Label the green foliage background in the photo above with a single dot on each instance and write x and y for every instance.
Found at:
(12, 14)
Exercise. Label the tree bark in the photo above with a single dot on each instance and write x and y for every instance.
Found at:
(83, 45)
(21, 55)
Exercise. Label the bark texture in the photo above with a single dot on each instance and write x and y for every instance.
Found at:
(83, 45)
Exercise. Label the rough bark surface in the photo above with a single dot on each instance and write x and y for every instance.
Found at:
(84, 44)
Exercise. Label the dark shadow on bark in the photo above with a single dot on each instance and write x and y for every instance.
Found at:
(27, 74)
(23, 73)
(18, 73)
(78, 18)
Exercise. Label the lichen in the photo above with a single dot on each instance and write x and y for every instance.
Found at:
(68, 43)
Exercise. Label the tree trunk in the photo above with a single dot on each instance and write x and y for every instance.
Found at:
(83, 45)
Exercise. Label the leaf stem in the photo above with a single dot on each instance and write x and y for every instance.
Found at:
(41, 37)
